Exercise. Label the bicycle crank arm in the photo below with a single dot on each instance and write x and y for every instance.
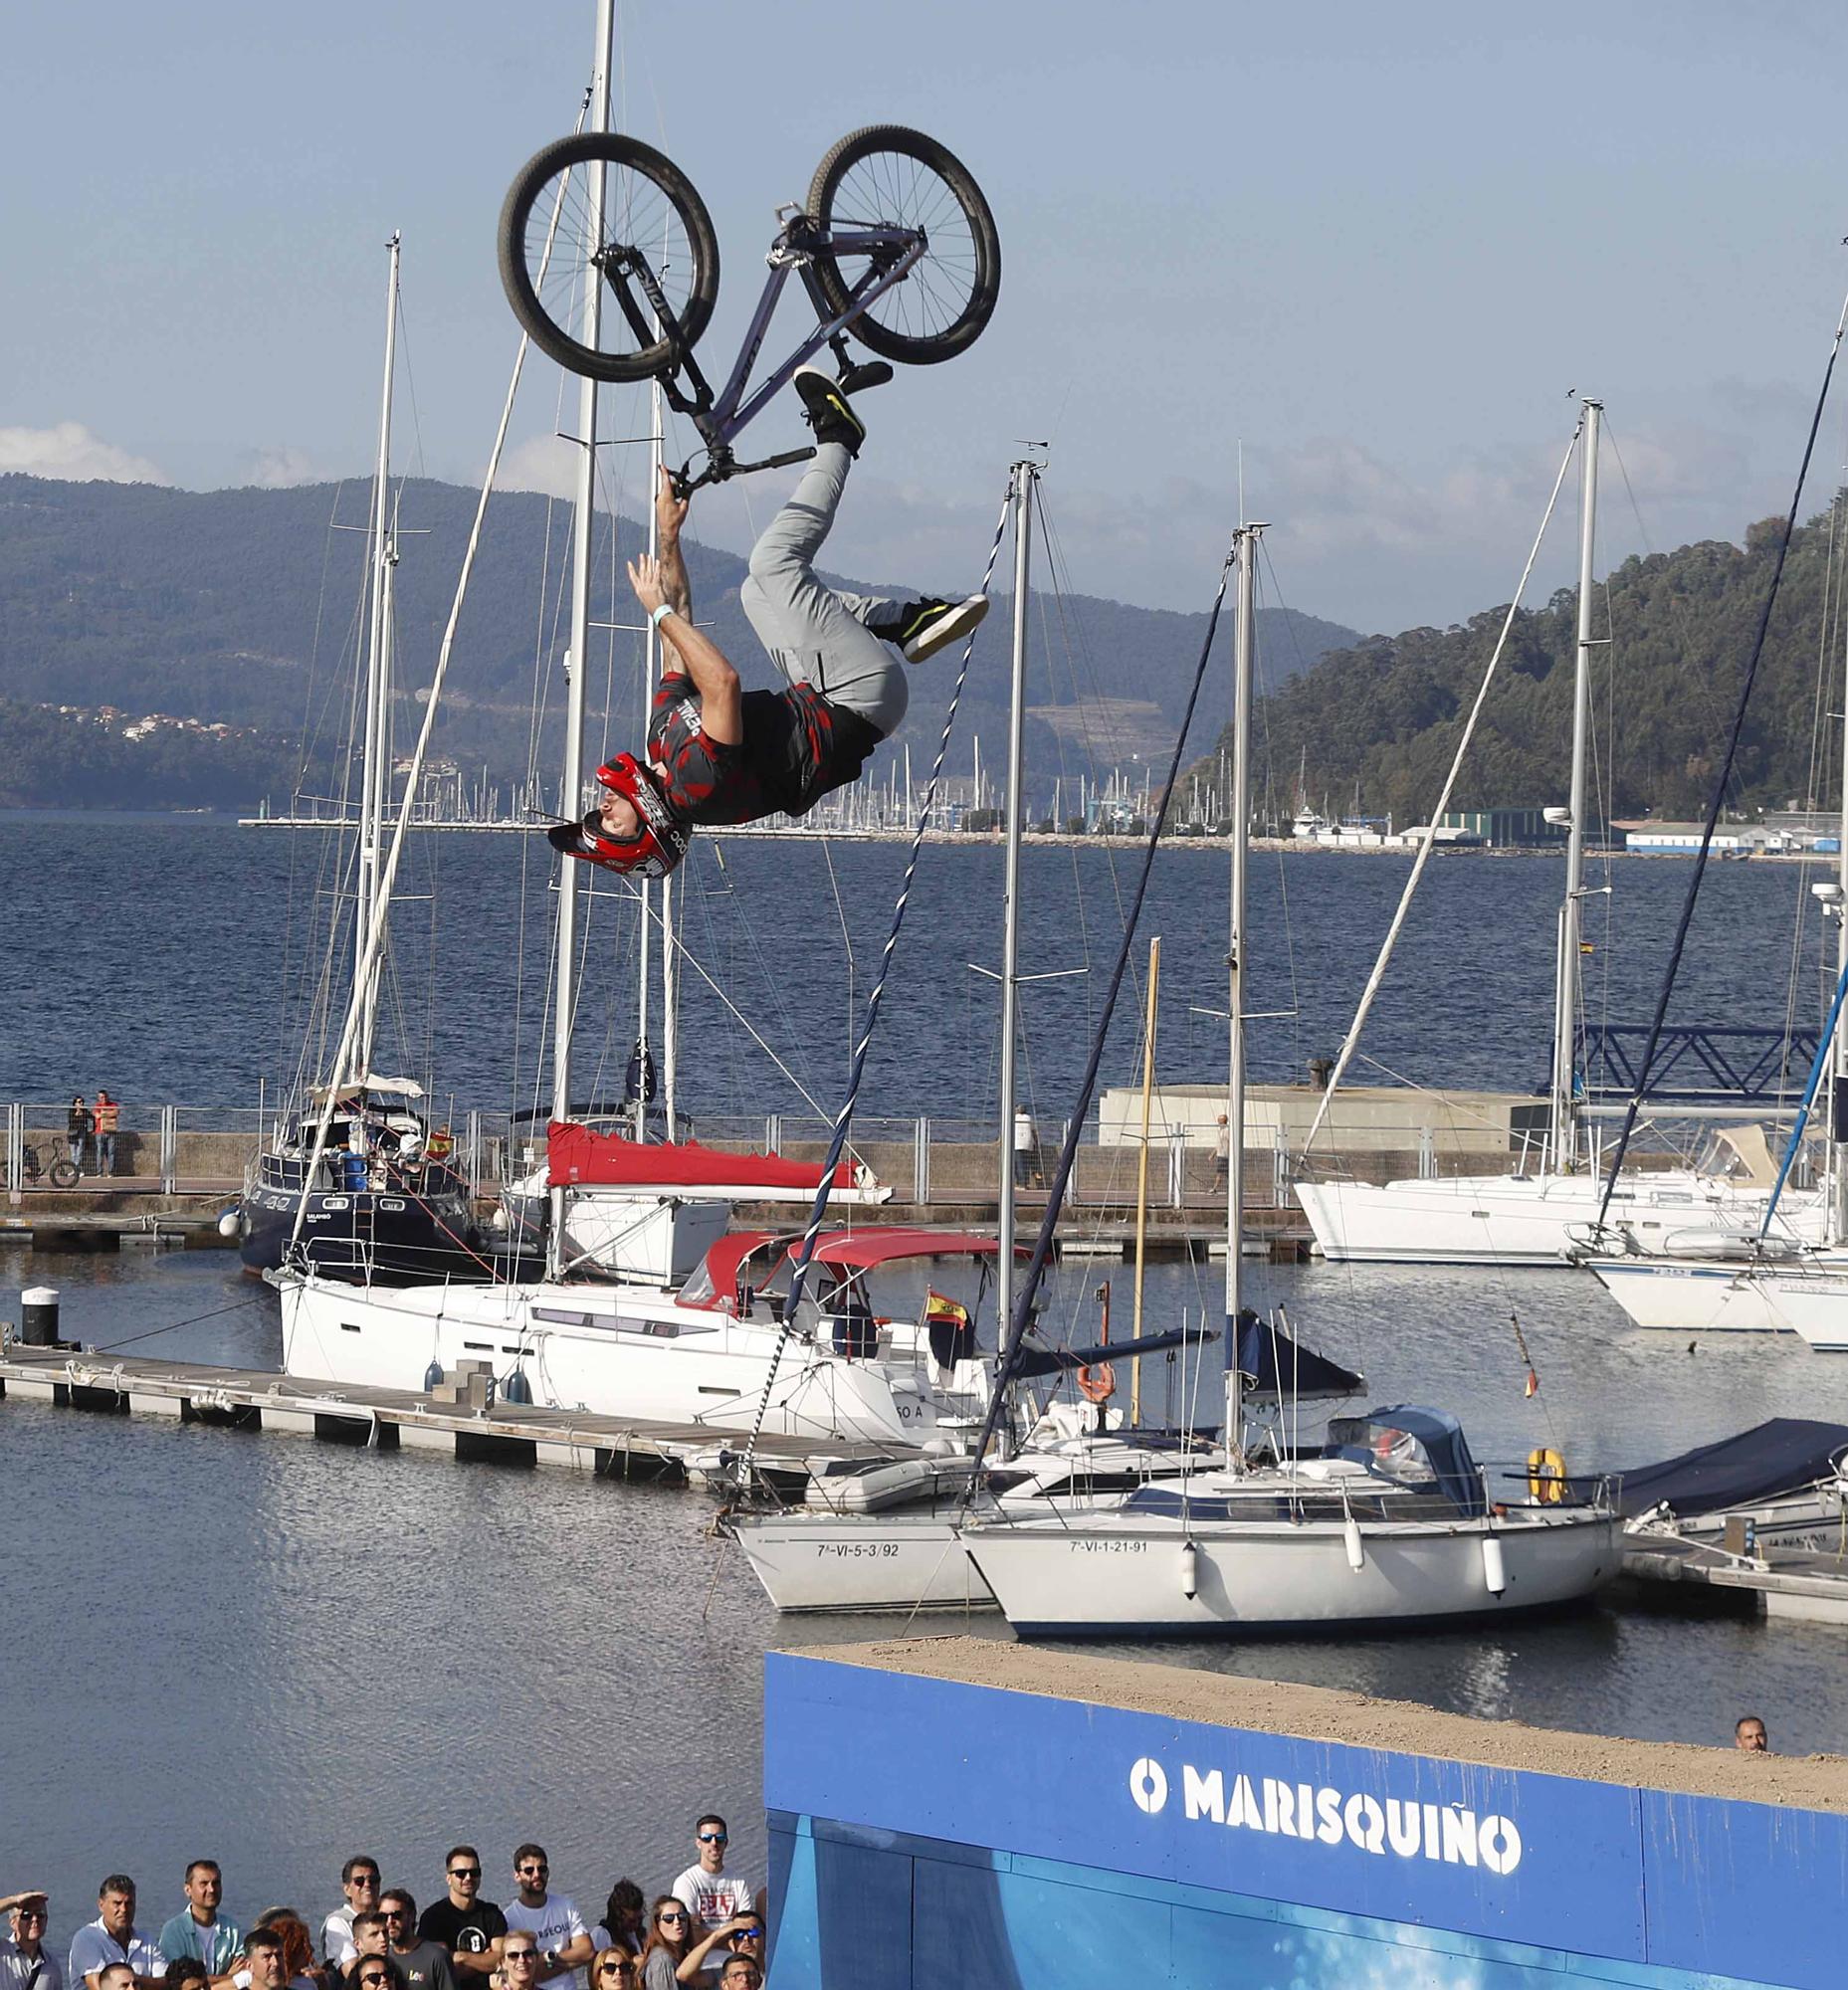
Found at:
(724, 466)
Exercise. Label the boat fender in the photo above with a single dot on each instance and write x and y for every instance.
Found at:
(228, 1223)
(516, 1389)
(1350, 1539)
(1099, 1384)
(1547, 1476)
(1494, 1570)
(1189, 1570)
(432, 1377)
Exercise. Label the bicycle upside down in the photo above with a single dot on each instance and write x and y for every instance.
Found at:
(720, 755)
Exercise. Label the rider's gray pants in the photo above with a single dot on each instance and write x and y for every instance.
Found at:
(817, 635)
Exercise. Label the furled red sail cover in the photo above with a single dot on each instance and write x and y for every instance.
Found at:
(579, 1158)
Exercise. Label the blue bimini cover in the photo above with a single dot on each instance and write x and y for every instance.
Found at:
(1772, 1457)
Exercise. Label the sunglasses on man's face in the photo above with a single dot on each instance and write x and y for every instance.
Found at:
(465, 1871)
(714, 1838)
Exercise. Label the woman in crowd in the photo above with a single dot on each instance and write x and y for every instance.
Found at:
(625, 1921)
(613, 1969)
(670, 1935)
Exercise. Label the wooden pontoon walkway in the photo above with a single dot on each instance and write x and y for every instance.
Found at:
(392, 1419)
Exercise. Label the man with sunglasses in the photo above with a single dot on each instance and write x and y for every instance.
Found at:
(470, 1929)
(551, 1919)
(423, 1964)
(23, 1964)
(359, 1882)
(711, 1894)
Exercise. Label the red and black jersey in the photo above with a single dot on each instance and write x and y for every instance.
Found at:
(797, 748)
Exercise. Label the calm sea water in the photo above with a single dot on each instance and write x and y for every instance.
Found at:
(276, 1652)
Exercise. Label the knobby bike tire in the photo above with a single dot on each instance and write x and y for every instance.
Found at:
(557, 341)
(64, 1174)
(978, 285)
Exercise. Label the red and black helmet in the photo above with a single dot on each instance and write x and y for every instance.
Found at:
(657, 847)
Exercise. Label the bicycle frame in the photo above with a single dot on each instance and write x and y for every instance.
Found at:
(722, 417)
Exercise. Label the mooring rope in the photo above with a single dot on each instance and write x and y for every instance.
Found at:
(818, 1213)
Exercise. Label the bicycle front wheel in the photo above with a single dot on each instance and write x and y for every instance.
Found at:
(887, 176)
(64, 1174)
(555, 234)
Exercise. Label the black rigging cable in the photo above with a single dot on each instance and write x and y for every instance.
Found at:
(1721, 782)
(1074, 1125)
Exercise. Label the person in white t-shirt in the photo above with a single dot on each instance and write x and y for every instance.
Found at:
(710, 1893)
(359, 1882)
(551, 1919)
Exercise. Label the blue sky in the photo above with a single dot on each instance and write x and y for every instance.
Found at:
(1372, 247)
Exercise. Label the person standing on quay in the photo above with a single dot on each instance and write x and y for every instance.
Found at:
(78, 1124)
(23, 1964)
(470, 1929)
(551, 1919)
(113, 1937)
(108, 1117)
(1222, 1153)
(199, 1929)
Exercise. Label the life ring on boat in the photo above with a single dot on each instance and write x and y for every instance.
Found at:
(1099, 1384)
(1547, 1476)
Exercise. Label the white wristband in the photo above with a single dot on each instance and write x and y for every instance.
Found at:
(661, 613)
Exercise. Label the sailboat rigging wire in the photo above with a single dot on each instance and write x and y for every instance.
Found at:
(1825, 1048)
(857, 1068)
(1074, 1125)
(1350, 1042)
(1717, 797)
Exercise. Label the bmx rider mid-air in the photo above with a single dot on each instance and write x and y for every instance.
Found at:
(718, 753)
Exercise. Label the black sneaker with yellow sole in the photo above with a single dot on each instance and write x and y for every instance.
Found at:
(925, 627)
(830, 414)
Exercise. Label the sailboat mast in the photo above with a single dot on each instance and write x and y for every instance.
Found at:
(1838, 1063)
(1241, 666)
(1564, 1115)
(372, 783)
(651, 670)
(572, 776)
(669, 990)
(1024, 475)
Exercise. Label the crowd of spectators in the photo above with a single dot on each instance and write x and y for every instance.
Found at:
(705, 1932)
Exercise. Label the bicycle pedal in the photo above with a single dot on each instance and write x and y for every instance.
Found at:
(868, 373)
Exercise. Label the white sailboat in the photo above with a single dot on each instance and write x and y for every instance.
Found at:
(374, 1198)
(1786, 1272)
(1535, 1218)
(1392, 1523)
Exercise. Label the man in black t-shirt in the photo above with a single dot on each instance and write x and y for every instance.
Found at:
(471, 1928)
(718, 753)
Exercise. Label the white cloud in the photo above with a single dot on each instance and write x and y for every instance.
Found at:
(546, 463)
(69, 451)
(276, 466)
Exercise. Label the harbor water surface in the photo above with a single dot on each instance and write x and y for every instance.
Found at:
(277, 1652)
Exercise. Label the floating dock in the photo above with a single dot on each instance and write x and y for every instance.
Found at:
(1800, 1582)
(626, 1448)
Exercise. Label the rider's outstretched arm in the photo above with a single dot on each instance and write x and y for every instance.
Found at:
(722, 709)
(670, 515)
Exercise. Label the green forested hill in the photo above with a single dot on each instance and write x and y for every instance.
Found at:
(240, 606)
(1387, 711)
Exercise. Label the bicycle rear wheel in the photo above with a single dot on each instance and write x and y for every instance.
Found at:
(891, 177)
(650, 213)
